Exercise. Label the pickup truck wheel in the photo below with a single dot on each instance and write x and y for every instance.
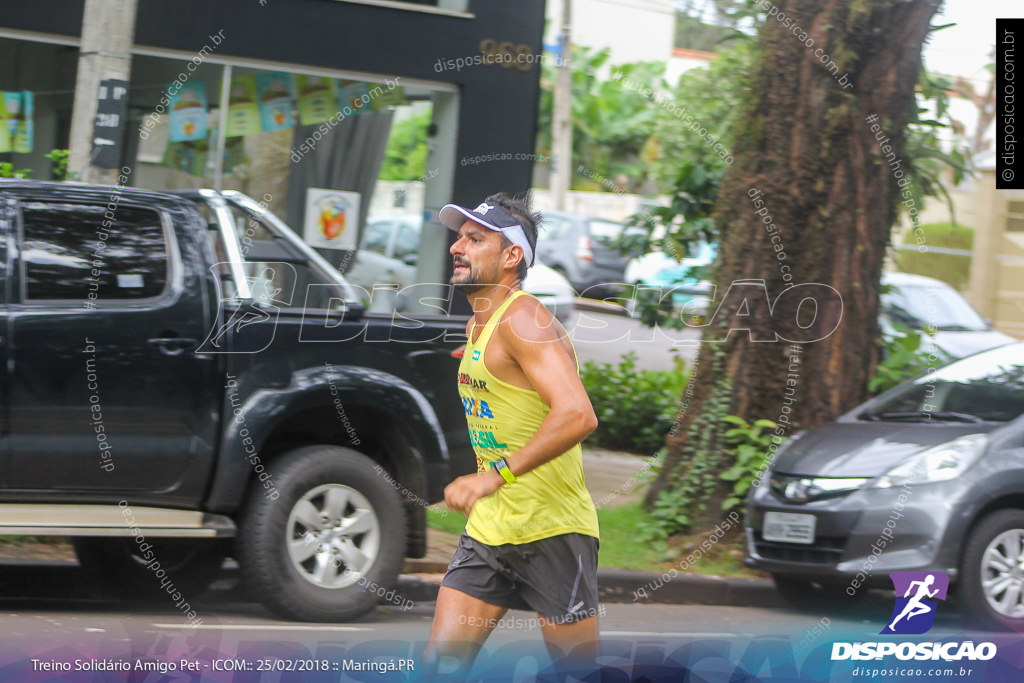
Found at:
(120, 568)
(330, 544)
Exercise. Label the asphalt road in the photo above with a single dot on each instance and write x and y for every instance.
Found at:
(603, 338)
(240, 641)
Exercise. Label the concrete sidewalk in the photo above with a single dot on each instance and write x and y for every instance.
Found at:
(613, 478)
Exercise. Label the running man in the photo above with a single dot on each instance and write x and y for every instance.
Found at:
(532, 537)
(914, 606)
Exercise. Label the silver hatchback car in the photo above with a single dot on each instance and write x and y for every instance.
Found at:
(928, 476)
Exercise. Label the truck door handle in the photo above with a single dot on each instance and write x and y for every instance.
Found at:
(173, 346)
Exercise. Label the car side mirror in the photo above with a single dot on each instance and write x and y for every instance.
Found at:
(409, 260)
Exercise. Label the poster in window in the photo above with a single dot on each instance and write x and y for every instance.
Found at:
(188, 111)
(181, 156)
(24, 131)
(389, 98)
(243, 110)
(12, 105)
(192, 156)
(274, 90)
(352, 94)
(5, 134)
(316, 99)
(331, 219)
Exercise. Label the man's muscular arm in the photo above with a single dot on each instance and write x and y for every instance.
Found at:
(534, 341)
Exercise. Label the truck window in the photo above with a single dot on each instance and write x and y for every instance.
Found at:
(278, 274)
(76, 252)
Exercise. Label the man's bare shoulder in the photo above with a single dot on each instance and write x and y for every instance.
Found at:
(529, 321)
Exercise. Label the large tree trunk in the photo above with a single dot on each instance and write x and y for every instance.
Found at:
(804, 147)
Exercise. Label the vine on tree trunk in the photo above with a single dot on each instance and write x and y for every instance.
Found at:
(694, 479)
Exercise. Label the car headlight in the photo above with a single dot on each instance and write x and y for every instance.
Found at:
(939, 463)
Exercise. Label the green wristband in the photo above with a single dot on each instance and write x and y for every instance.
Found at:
(501, 464)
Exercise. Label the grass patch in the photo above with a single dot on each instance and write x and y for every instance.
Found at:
(620, 526)
(443, 519)
(19, 540)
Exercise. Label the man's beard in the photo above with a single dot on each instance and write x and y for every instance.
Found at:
(468, 281)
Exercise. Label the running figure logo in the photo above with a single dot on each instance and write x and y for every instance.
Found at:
(914, 612)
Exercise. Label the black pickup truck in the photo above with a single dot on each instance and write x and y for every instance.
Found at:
(184, 379)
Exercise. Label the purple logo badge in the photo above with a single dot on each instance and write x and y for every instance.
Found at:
(914, 612)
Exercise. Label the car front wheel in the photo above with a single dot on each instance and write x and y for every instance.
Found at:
(331, 544)
(992, 578)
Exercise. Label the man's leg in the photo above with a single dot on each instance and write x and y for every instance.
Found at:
(461, 625)
(558, 580)
(577, 643)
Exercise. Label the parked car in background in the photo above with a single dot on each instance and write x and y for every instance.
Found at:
(931, 472)
(686, 280)
(585, 251)
(922, 302)
(389, 250)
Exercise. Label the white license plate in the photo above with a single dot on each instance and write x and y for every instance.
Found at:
(788, 527)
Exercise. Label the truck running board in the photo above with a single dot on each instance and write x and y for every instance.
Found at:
(47, 519)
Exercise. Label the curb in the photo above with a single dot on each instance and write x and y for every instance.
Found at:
(619, 586)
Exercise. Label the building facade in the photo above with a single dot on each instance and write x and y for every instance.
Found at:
(345, 74)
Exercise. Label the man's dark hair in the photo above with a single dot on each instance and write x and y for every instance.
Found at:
(519, 208)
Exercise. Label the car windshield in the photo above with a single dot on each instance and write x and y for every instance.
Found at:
(605, 232)
(618, 237)
(936, 305)
(986, 387)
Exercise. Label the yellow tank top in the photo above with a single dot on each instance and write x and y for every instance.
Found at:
(548, 500)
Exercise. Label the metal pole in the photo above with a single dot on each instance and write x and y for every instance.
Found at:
(222, 128)
(561, 133)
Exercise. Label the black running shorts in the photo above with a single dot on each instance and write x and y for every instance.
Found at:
(555, 577)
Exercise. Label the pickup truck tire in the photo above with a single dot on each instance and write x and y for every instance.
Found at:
(119, 568)
(331, 544)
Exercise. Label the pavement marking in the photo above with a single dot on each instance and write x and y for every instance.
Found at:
(263, 627)
(671, 634)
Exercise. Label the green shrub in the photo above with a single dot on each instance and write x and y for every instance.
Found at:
(635, 408)
(7, 170)
(904, 358)
(744, 454)
(60, 157)
(749, 444)
(952, 269)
